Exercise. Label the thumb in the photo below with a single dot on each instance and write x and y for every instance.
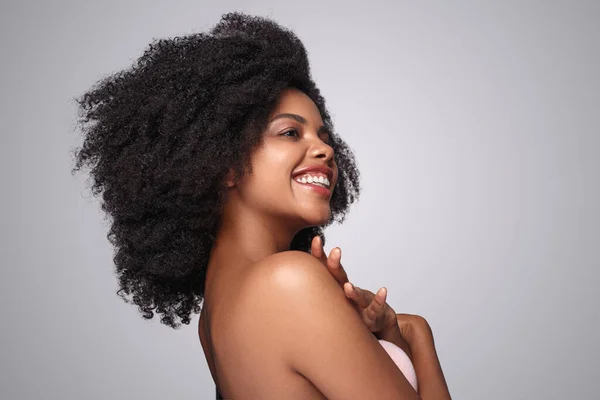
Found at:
(316, 248)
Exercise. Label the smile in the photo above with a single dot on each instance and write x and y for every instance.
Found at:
(316, 187)
(319, 179)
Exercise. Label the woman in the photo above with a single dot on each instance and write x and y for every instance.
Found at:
(218, 164)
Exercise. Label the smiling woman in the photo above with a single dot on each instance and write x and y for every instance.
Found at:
(277, 163)
(218, 164)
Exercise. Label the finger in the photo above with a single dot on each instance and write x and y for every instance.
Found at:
(349, 290)
(376, 307)
(335, 266)
(380, 296)
(357, 296)
(316, 248)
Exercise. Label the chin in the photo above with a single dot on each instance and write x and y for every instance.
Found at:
(317, 218)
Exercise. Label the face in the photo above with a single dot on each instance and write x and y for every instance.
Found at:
(294, 139)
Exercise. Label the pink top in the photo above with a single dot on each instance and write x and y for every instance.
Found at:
(402, 361)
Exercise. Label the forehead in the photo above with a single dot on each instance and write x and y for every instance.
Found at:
(295, 101)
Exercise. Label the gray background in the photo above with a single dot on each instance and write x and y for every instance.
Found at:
(476, 128)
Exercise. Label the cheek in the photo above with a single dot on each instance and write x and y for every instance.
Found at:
(274, 164)
(272, 167)
(268, 182)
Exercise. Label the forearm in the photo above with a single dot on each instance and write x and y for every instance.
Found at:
(393, 335)
(432, 384)
(421, 351)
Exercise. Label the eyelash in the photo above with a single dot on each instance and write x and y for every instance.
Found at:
(295, 130)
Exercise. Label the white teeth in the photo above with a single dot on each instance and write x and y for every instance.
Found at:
(317, 180)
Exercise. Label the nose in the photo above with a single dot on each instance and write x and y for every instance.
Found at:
(320, 149)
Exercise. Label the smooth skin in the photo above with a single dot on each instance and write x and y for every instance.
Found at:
(376, 314)
(275, 323)
(405, 330)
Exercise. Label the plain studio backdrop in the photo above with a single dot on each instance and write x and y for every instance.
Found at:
(477, 132)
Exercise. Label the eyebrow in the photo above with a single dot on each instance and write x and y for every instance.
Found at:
(302, 120)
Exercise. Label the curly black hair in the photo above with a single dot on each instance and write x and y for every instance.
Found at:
(160, 137)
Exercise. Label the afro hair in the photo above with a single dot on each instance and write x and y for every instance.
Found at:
(160, 137)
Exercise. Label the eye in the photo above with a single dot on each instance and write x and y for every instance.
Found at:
(295, 132)
(290, 131)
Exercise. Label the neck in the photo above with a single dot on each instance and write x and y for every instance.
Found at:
(248, 235)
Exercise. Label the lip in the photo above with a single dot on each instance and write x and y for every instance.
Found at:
(315, 168)
(316, 188)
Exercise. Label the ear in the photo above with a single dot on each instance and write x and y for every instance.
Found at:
(229, 178)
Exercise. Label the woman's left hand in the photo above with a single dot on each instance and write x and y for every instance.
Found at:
(376, 314)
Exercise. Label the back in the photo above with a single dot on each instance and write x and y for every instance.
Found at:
(298, 307)
(243, 360)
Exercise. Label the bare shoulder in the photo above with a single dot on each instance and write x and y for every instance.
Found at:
(292, 268)
(272, 281)
(301, 310)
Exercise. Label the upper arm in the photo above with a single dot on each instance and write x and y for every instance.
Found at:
(322, 336)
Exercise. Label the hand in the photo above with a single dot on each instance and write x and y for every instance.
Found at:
(376, 314)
